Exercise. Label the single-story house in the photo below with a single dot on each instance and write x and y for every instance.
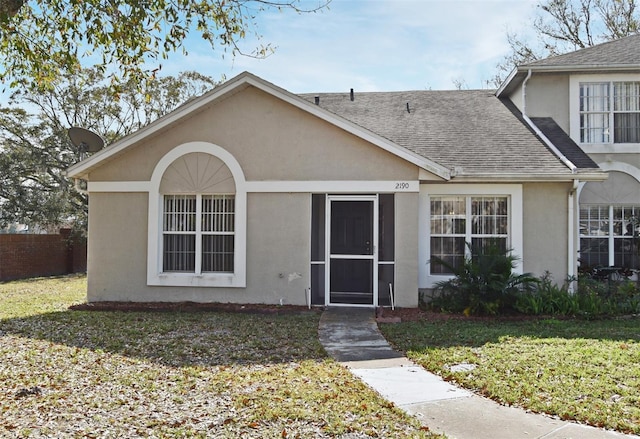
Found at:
(253, 194)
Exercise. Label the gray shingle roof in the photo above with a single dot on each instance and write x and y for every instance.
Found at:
(471, 132)
(622, 52)
(564, 143)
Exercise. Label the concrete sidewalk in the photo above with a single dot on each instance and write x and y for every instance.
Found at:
(351, 336)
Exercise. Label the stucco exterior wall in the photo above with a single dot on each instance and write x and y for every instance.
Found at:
(609, 159)
(406, 249)
(117, 246)
(278, 233)
(278, 248)
(546, 224)
(547, 95)
(278, 252)
(271, 140)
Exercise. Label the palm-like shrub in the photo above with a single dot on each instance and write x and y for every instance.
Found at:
(484, 284)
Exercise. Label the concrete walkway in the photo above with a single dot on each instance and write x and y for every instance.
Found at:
(351, 336)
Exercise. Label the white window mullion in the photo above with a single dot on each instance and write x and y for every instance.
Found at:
(612, 127)
(468, 226)
(611, 237)
(198, 267)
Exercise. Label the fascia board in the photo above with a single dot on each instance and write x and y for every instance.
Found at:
(81, 169)
(507, 82)
(583, 68)
(502, 178)
(520, 72)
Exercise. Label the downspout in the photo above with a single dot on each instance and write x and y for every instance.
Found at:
(572, 269)
(571, 250)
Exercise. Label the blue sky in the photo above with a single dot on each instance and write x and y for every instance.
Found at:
(374, 45)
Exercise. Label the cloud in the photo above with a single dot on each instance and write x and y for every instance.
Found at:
(375, 45)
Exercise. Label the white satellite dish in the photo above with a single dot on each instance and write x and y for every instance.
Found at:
(85, 140)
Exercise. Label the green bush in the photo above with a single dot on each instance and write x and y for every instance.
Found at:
(592, 299)
(484, 284)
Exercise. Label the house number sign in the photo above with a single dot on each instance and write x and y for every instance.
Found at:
(406, 186)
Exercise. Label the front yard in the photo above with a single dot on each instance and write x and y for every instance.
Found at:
(173, 374)
(226, 375)
(586, 371)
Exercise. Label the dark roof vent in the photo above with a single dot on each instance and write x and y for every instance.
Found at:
(408, 109)
(352, 96)
(317, 99)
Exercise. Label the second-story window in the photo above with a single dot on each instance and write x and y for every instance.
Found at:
(610, 112)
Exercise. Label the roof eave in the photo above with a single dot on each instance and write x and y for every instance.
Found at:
(506, 82)
(519, 73)
(590, 175)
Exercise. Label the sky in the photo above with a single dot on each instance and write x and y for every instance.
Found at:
(373, 45)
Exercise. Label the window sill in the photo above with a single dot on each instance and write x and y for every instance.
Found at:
(610, 148)
(230, 280)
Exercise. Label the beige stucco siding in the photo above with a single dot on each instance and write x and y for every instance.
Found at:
(117, 247)
(406, 249)
(278, 252)
(278, 233)
(547, 95)
(609, 158)
(545, 227)
(271, 139)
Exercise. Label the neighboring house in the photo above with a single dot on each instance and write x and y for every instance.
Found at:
(593, 95)
(252, 194)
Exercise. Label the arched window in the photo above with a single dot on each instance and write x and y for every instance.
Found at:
(197, 219)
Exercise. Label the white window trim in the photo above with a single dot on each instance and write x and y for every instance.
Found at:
(574, 114)
(155, 276)
(611, 237)
(512, 191)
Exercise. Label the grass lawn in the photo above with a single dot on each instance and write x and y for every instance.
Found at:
(173, 374)
(587, 371)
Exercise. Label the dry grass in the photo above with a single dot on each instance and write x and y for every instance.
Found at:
(174, 374)
(586, 371)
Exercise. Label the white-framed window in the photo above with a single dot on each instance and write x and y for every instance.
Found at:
(609, 236)
(197, 224)
(458, 220)
(198, 233)
(609, 112)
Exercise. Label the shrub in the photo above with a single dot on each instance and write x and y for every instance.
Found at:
(484, 284)
(592, 299)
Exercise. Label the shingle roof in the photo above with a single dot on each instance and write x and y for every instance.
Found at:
(621, 52)
(471, 132)
(564, 143)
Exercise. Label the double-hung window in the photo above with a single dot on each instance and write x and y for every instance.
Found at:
(610, 112)
(458, 220)
(198, 233)
(609, 236)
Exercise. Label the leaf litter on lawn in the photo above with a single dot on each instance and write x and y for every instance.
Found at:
(175, 374)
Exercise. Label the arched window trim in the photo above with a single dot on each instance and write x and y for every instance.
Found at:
(155, 276)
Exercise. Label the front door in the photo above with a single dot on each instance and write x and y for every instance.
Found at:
(352, 251)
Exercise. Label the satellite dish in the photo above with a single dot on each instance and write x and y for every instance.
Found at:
(85, 140)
